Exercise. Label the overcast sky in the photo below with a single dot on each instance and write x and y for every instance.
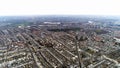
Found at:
(52, 7)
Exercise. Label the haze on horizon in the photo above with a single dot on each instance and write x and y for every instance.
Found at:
(59, 7)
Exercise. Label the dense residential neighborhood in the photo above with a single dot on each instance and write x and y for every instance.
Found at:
(60, 43)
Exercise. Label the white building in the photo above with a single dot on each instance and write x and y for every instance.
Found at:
(52, 23)
(117, 39)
